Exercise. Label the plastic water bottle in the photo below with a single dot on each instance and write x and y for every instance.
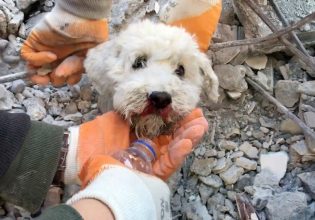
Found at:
(139, 155)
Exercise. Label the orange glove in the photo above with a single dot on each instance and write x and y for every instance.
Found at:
(174, 151)
(57, 46)
(109, 133)
(198, 17)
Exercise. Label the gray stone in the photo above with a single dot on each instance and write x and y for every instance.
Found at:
(286, 91)
(307, 88)
(267, 122)
(236, 154)
(35, 108)
(196, 211)
(257, 62)
(222, 165)
(6, 99)
(299, 152)
(86, 92)
(227, 145)
(215, 200)
(249, 150)
(225, 33)
(308, 180)
(286, 205)
(15, 22)
(231, 77)
(73, 117)
(203, 166)
(18, 86)
(205, 192)
(246, 163)
(176, 203)
(231, 175)
(211, 180)
(309, 118)
(231, 195)
(234, 95)
(225, 55)
(3, 44)
(289, 126)
(71, 108)
(23, 4)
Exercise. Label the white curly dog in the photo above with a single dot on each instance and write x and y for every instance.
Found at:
(152, 74)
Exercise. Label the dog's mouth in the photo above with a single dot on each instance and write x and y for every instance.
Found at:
(163, 112)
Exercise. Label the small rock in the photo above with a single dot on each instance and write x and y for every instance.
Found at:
(246, 163)
(71, 108)
(227, 145)
(289, 126)
(211, 153)
(86, 92)
(257, 62)
(205, 192)
(53, 197)
(249, 150)
(196, 210)
(231, 77)
(286, 91)
(275, 162)
(231, 175)
(225, 55)
(203, 166)
(231, 195)
(299, 152)
(6, 99)
(73, 117)
(309, 118)
(222, 165)
(286, 205)
(307, 88)
(308, 180)
(212, 180)
(234, 95)
(264, 130)
(35, 108)
(18, 86)
(176, 203)
(236, 154)
(267, 122)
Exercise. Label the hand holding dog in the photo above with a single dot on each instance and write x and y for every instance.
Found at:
(109, 133)
(57, 46)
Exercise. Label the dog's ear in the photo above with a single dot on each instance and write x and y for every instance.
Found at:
(101, 65)
(210, 79)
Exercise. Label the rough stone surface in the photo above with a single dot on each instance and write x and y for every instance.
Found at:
(286, 92)
(203, 167)
(231, 77)
(286, 205)
(6, 99)
(307, 88)
(232, 174)
(249, 150)
(246, 163)
(35, 108)
(309, 118)
(290, 127)
(257, 62)
(212, 180)
(308, 180)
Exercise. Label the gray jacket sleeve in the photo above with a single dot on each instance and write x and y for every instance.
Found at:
(90, 9)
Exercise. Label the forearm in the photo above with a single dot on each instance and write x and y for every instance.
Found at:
(90, 9)
(29, 172)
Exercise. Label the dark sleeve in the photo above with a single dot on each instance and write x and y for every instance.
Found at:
(31, 170)
(59, 212)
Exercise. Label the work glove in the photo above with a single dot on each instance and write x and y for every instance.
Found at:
(198, 17)
(109, 133)
(57, 45)
(129, 194)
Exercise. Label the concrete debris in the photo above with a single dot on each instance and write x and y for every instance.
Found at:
(257, 62)
(249, 150)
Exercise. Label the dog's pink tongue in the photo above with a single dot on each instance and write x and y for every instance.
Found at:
(165, 111)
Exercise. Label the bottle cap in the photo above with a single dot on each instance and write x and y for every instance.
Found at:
(147, 144)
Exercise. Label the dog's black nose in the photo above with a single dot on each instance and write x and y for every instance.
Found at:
(160, 99)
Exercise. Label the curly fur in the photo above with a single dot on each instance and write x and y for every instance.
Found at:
(109, 66)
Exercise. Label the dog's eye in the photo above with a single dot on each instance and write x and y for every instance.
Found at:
(140, 62)
(180, 71)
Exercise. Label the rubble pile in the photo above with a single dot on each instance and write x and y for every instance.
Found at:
(252, 150)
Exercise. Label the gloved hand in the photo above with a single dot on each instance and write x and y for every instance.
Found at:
(198, 17)
(57, 45)
(173, 151)
(129, 194)
(109, 133)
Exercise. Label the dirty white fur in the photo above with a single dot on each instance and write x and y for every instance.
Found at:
(109, 66)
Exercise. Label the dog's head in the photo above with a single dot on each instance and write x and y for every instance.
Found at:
(153, 74)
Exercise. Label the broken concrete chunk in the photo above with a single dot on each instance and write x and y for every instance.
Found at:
(249, 150)
(231, 175)
(286, 91)
(246, 163)
(308, 180)
(289, 126)
(203, 167)
(275, 162)
(257, 62)
(309, 118)
(212, 180)
(307, 88)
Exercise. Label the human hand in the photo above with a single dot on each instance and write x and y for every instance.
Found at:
(198, 17)
(174, 151)
(57, 45)
(129, 194)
